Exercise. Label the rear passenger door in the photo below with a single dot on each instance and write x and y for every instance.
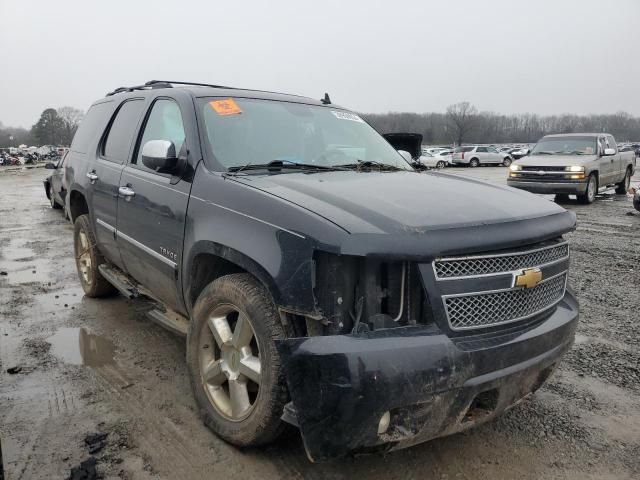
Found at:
(104, 174)
(152, 207)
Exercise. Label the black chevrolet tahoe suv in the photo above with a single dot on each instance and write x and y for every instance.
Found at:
(318, 278)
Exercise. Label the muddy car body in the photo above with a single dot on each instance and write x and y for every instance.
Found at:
(370, 305)
(54, 187)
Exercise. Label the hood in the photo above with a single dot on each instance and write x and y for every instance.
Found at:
(410, 142)
(555, 160)
(404, 203)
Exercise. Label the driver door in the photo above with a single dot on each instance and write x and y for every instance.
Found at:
(152, 207)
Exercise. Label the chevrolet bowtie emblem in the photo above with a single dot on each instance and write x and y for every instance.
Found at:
(528, 278)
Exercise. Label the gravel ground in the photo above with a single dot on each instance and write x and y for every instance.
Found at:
(84, 366)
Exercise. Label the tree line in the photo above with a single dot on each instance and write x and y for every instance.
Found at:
(54, 127)
(462, 123)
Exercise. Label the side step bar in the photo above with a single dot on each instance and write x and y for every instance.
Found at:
(119, 280)
(172, 321)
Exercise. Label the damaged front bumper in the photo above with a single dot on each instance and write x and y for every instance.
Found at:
(431, 385)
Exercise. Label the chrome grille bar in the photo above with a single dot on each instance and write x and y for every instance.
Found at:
(462, 267)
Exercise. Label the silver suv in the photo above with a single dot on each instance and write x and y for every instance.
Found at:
(476, 155)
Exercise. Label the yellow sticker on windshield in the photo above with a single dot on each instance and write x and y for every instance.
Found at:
(225, 107)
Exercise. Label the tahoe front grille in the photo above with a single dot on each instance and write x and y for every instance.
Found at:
(498, 263)
(477, 310)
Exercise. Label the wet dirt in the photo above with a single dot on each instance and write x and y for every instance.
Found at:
(100, 366)
(78, 347)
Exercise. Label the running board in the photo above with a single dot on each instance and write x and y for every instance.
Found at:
(172, 321)
(119, 280)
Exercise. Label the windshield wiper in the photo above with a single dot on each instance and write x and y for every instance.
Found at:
(279, 165)
(573, 152)
(368, 164)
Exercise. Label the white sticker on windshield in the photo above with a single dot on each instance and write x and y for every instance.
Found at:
(347, 116)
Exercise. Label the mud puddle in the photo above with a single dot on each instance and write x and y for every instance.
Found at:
(79, 347)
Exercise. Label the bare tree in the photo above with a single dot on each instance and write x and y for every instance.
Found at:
(71, 118)
(461, 117)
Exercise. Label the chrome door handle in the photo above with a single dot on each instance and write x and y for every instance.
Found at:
(92, 176)
(126, 192)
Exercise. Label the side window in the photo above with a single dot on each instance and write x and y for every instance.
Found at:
(164, 123)
(612, 142)
(117, 143)
(601, 145)
(91, 127)
(481, 150)
(492, 150)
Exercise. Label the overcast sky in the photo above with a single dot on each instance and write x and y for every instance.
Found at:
(578, 56)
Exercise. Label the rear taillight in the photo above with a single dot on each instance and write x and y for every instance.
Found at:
(462, 155)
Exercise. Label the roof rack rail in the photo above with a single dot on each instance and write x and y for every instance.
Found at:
(151, 84)
(195, 84)
(146, 86)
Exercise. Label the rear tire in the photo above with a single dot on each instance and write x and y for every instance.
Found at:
(88, 259)
(506, 162)
(474, 163)
(440, 164)
(240, 406)
(622, 187)
(52, 200)
(592, 189)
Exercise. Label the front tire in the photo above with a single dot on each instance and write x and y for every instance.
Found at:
(623, 186)
(236, 373)
(474, 163)
(88, 259)
(590, 194)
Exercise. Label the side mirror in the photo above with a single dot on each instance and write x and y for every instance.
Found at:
(609, 151)
(406, 155)
(50, 166)
(159, 155)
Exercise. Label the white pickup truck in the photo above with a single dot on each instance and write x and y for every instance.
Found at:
(574, 164)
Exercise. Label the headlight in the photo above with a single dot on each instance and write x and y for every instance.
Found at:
(515, 168)
(574, 168)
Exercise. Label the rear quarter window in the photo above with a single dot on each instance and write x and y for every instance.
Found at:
(91, 127)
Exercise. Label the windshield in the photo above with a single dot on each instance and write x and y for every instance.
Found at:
(565, 146)
(244, 132)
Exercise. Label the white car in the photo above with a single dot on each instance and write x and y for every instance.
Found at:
(446, 155)
(432, 161)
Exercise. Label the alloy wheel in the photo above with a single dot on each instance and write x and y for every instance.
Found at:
(591, 189)
(84, 258)
(230, 362)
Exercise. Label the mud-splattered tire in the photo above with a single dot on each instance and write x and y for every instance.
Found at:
(88, 259)
(623, 186)
(590, 193)
(240, 406)
(52, 200)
